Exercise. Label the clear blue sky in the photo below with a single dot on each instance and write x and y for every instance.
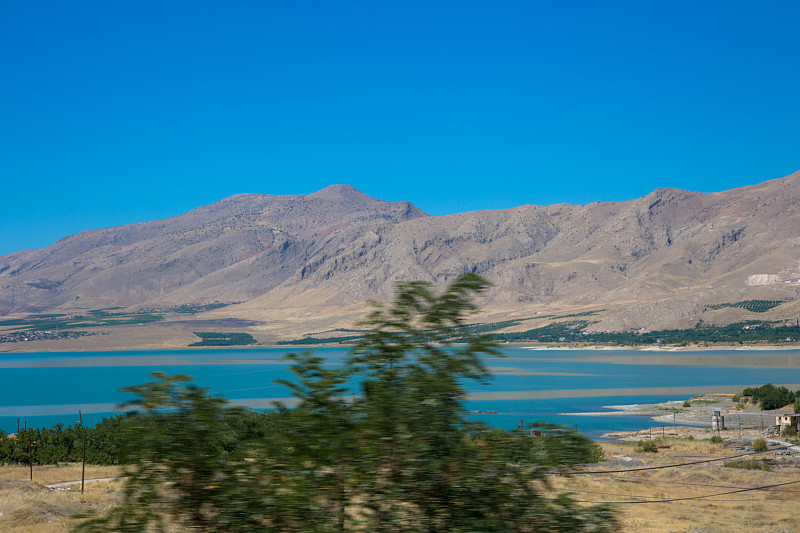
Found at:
(114, 112)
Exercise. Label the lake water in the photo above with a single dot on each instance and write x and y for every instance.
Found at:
(533, 385)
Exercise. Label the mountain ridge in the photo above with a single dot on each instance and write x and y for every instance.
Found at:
(653, 261)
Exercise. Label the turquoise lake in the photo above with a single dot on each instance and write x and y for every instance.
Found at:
(531, 385)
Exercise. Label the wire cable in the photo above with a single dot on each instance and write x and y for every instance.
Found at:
(650, 480)
(580, 472)
(687, 498)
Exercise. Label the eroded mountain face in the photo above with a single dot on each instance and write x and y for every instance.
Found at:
(232, 250)
(653, 262)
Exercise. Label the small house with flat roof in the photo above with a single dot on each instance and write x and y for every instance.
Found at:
(788, 420)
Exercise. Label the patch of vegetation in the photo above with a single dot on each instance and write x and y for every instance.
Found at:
(100, 313)
(749, 331)
(480, 328)
(755, 306)
(15, 322)
(770, 397)
(60, 444)
(748, 464)
(716, 439)
(191, 309)
(646, 446)
(96, 318)
(216, 338)
(555, 332)
(311, 341)
(687, 404)
(760, 445)
(584, 313)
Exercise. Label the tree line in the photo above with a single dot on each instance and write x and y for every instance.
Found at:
(772, 397)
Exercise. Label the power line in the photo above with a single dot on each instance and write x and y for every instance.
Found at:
(651, 480)
(668, 500)
(645, 498)
(579, 472)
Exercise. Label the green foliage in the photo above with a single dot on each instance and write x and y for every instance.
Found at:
(399, 457)
(307, 341)
(755, 306)
(59, 444)
(748, 464)
(736, 397)
(583, 313)
(796, 404)
(788, 431)
(749, 331)
(191, 309)
(769, 396)
(686, 403)
(646, 446)
(760, 445)
(716, 439)
(96, 318)
(105, 312)
(214, 338)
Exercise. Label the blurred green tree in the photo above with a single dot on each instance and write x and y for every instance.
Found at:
(399, 457)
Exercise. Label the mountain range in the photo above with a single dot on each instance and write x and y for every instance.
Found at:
(300, 263)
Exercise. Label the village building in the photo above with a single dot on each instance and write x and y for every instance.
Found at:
(788, 420)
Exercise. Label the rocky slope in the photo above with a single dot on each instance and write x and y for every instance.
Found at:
(232, 250)
(652, 262)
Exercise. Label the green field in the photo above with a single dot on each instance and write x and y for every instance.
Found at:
(755, 306)
(216, 338)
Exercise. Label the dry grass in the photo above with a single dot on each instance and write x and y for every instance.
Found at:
(50, 474)
(29, 506)
(754, 511)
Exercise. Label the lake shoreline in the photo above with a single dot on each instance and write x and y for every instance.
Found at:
(44, 346)
(673, 418)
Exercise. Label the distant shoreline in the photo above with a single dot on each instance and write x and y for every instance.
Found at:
(63, 346)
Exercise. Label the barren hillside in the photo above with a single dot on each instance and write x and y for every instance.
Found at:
(300, 263)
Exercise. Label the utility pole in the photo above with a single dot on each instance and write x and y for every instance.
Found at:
(30, 452)
(739, 418)
(83, 465)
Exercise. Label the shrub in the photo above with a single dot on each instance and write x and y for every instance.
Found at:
(646, 446)
(687, 404)
(760, 445)
(749, 464)
(769, 396)
(788, 431)
(716, 439)
(736, 397)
